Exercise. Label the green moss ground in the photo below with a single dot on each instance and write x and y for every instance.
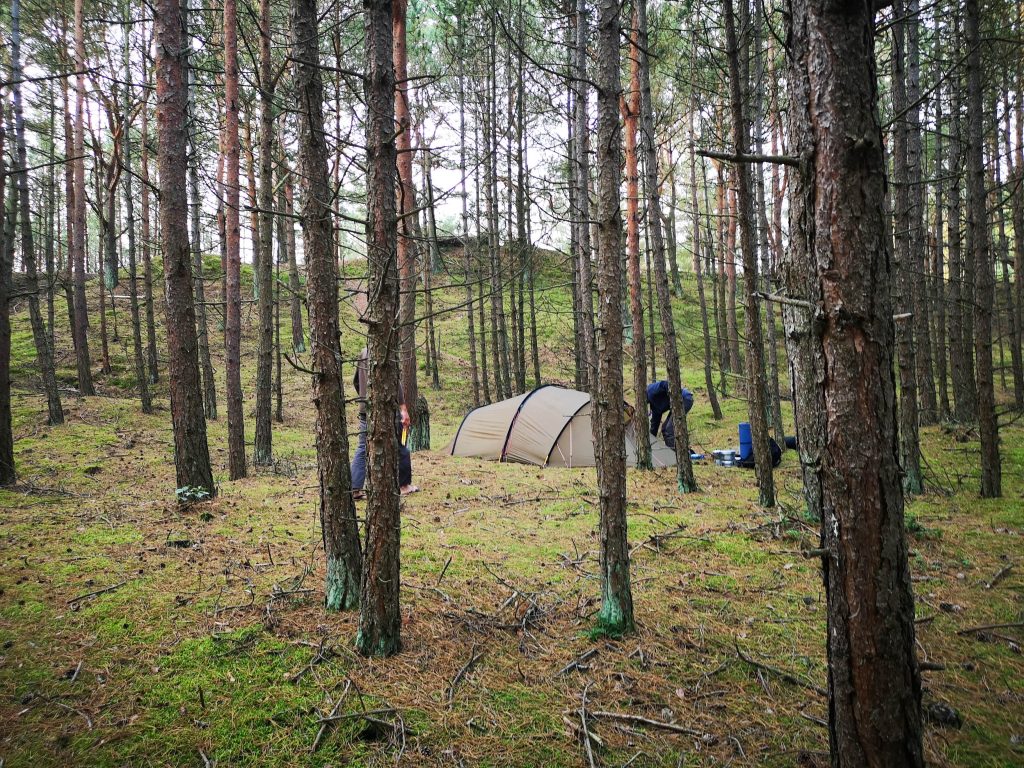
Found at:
(205, 648)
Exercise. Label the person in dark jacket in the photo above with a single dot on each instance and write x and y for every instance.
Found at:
(361, 382)
(660, 404)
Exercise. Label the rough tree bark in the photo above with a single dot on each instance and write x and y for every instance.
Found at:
(903, 268)
(141, 379)
(233, 324)
(840, 263)
(8, 473)
(616, 614)
(152, 361)
(716, 408)
(581, 166)
(757, 405)
(85, 385)
(191, 453)
(406, 207)
(978, 235)
(961, 355)
(337, 508)
(198, 276)
(262, 453)
(468, 265)
(685, 480)
(939, 293)
(631, 110)
(294, 283)
(44, 355)
(380, 620)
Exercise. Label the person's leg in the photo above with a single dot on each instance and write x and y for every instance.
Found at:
(404, 461)
(359, 459)
(404, 467)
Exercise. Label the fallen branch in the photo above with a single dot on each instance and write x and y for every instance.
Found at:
(474, 657)
(639, 720)
(444, 571)
(575, 663)
(368, 714)
(999, 576)
(984, 627)
(78, 712)
(324, 723)
(586, 731)
(787, 676)
(103, 591)
(813, 719)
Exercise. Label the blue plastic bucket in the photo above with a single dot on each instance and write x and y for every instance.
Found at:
(746, 441)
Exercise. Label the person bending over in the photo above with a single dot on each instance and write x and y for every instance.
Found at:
(660, 404)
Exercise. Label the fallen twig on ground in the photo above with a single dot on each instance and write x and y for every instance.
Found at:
(586, 731)
(999, 576)
(787, 676)
(625, 717)
(577, 662)
(103, 591)
(474, 657)
(984, 627)
(325, 722)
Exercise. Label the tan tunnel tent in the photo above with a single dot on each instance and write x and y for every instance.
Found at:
(548, 427)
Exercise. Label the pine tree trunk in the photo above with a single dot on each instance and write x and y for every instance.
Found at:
(44, 355)
(141, 379)
(716, 409)
(757, 407)
(631, 110)
(685, 480)
(428, 268)
(670, 228)
(195, 232)
(406, 206)
(233, 325)
(247, 146)
(721, 323)
(287, 232)
(85, 385)
(191, 453)
(478, 249)
(152, 360)
(1013, 320)
(262, 454)
(581, 166)
(731, 258)
(904, 266)
(380, 619)
(839, 261)
(978, 236)
(474, 370)
(939, 293)
(69, 199)
(616, 616)
(1018, 214)
(960, 299)
(918, 263)
(50, 215)
(337, 508)
(8, 473)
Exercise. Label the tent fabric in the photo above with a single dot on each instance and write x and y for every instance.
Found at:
(548, 427)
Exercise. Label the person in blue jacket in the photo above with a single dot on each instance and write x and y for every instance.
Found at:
(660, 404)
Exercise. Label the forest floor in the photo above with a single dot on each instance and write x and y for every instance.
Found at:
(137, 632)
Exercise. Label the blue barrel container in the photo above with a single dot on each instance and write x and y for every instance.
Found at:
(746, 441)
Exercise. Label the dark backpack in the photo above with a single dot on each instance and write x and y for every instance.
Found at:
(748, 463)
